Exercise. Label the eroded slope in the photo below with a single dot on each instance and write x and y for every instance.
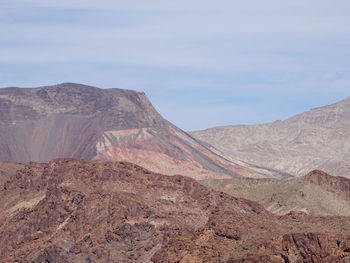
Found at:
(73, 120)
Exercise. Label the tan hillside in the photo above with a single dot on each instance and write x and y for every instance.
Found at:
(317, 193)
(316, 139)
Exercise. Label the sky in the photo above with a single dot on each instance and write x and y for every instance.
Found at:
(201, 63)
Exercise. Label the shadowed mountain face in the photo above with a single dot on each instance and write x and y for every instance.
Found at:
(317, 139)
(316, 193)
(72, 120)
(97, 211)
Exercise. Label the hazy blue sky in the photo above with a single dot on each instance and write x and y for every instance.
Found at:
(202, 63)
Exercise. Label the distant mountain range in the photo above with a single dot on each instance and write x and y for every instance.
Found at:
(73, 120)
(316, 139)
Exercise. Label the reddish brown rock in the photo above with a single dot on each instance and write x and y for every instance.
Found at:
(78, 211)
(305, 248)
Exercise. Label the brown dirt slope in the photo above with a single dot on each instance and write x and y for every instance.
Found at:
(316, 193)
(71, 210)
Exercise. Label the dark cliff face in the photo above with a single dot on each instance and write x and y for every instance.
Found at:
(74, 120)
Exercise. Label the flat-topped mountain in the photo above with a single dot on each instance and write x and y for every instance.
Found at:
(118, 108)
(316, 139)
(316, 193)
(71, 210)
(73, 120)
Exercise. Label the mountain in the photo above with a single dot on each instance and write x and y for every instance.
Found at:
(71, 210)
(316, 139)
(316, 193)
(73, 120)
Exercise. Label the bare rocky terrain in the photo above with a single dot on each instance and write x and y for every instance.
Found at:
(70, 210)
(73, 120)
(316, 139)
(316, 193)
(102, 208)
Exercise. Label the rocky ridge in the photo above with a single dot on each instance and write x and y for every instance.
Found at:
(70, 210)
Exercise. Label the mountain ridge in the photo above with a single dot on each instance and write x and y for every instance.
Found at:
(316, 139)
(75, 120)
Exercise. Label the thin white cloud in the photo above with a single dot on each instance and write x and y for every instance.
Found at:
(227, 45)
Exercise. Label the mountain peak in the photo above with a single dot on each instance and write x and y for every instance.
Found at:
(75, 120)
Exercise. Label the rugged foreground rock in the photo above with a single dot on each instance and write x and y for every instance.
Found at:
(72, 120)
(71, 210)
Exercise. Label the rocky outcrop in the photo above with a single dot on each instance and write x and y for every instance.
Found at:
(72, 210)
(316, 139)
(73, 120)
(301, 247)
